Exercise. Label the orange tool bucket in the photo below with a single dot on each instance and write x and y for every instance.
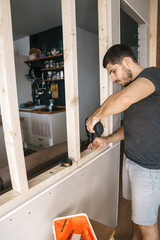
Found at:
(75, 227)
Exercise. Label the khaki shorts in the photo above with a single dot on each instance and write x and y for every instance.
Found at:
(142, 186)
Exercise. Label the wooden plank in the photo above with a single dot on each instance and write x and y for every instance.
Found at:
(115, 39)
(153, 32)
(109, 34)
(103, 46)
(71, 78)
(9, 103)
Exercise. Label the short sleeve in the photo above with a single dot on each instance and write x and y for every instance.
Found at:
(153, 74)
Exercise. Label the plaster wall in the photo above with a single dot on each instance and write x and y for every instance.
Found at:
(24, 90)
(22, 47)
(91, 188)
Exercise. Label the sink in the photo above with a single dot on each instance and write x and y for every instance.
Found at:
(33, 107)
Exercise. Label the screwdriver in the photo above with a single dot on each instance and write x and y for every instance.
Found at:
(98, 128)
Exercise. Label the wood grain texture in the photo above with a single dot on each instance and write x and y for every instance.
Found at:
(71, 78)
(9, 103)
(153, 32)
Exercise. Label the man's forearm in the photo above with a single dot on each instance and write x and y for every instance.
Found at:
(116, 136)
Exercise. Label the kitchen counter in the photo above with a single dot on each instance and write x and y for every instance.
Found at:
(42, 128)
(45, 110)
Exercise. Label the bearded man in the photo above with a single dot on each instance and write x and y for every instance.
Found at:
(140, 102)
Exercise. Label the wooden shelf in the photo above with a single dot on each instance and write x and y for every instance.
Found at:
(53, 68)
(55, 79)
(44, 58)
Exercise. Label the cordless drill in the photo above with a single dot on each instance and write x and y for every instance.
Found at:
(98, 128)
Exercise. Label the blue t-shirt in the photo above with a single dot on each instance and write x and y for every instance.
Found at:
(142, 125)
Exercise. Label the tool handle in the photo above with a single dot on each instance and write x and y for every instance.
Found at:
(99, 129)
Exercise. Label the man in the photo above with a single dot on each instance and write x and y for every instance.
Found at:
(140, 102)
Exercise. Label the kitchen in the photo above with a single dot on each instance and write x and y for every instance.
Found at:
(44, 117)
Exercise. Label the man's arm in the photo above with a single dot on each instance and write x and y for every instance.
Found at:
(121, 100)
(100, 142)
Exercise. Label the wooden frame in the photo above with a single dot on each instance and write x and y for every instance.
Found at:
(71, 78)
(153, 32)
(103, 46)
(9, 103)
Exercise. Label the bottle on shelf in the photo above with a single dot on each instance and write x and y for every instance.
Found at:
(60, 46)
(44, 49)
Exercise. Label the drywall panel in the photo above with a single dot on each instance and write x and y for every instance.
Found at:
(138, 10)
(91, 188)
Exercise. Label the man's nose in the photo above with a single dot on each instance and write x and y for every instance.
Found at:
(113, 77)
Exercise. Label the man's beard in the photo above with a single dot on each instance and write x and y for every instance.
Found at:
(127, 76)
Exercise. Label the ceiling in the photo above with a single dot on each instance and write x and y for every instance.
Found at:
(33, 16)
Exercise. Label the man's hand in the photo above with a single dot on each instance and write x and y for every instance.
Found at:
(90, 123)
(99, 142)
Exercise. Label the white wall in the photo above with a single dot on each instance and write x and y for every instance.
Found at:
(23, 85)
(88, 75)
(138, 10)
(22, 46)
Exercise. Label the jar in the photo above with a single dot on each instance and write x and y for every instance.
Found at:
(54, 75)
(61, 74)
(46, 63)
(54, 64)
(62, 63)
(54, 51)
(49, 75)
(51, 63)
(58, 75)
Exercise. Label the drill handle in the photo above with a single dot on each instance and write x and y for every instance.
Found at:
(99, 129)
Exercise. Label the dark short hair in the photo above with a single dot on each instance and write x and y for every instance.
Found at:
(116, 53)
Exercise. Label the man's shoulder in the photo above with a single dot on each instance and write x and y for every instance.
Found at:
(150, 70)
(152, 74)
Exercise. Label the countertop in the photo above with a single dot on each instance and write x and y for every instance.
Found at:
(44, 110)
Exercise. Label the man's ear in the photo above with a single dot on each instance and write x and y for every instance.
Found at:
(126, 62)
